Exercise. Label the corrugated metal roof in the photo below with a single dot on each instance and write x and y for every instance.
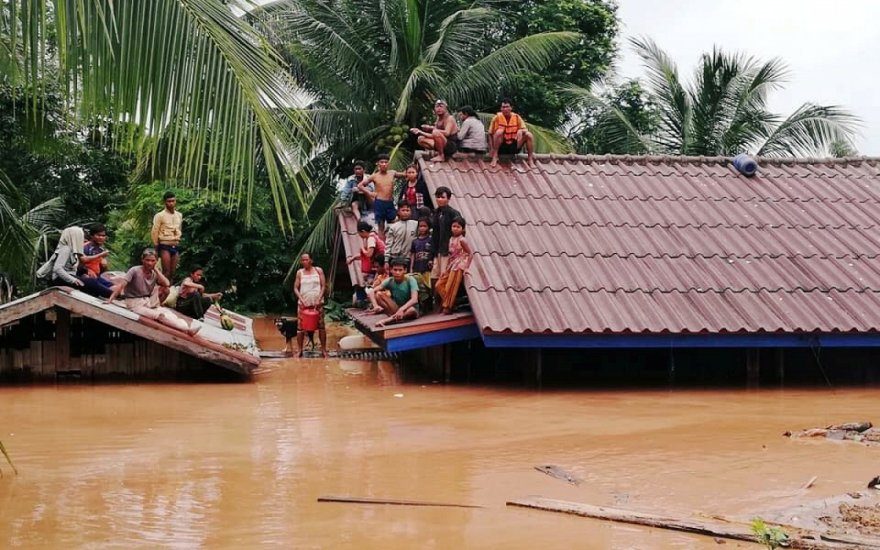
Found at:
(670, 244)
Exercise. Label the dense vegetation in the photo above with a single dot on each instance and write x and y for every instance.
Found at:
(252, 111)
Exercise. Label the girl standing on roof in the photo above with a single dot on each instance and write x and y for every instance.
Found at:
(460, 256)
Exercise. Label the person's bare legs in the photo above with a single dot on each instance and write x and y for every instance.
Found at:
(388, 305)
(439, 145)
(356, 210)
(322, 336)
(172, 267)
(426, 143)
(495, 142)
(525, 138)
(300, 337)
(375, 307)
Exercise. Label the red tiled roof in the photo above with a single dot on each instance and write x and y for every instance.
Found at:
(670, 244)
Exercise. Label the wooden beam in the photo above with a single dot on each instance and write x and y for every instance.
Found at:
(62, 340)
(727, 529)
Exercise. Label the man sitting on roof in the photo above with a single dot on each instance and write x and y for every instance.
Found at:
(442, 136)
(508, 134)
(138, 288)
(402, 302)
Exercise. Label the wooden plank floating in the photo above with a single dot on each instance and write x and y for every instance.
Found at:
(393, 502)
(723, 529)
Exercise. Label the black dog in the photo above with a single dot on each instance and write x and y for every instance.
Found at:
(287, 327)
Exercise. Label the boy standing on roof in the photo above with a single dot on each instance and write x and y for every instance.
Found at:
(441, 221)
(508, 134)
(400, 235)
(359, 201)
(166, 234)
(442, 136)
(383, 199)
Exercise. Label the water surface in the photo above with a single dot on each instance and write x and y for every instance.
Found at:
(241, 465)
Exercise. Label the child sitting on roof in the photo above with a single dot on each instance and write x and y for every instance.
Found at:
(402, 301)
(460, 257)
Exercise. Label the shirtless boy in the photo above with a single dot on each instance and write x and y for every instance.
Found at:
(383, 200)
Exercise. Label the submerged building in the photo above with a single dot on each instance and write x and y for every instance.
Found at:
(663, 253)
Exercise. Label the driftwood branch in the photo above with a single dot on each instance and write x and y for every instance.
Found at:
(727, 529)
(392, 501)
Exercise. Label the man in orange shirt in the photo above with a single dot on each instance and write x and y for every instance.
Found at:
(508, 134)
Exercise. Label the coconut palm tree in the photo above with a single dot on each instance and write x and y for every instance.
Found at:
(187, 84)
(376, 66)
(722, 111)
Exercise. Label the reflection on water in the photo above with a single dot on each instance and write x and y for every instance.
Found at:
(240, 465)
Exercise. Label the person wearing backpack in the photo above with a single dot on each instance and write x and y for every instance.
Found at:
(62, 267)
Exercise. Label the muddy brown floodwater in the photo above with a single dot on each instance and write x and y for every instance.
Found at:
(241, 465)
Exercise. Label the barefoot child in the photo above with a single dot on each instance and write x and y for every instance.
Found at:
(383, 199)
(402, 302)
(460, 256)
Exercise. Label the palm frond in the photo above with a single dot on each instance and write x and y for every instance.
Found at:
(676, 115)
(192, 73)
(479, 81)
(810, 131)
(619, 133)
(456, 35)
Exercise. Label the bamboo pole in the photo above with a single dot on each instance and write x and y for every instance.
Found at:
(392, 502)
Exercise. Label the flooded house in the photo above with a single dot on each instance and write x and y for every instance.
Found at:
(658, 268)
(64, 333)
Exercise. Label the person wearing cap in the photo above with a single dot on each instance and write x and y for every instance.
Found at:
(471, 133)
(508, 134)
(442, 136)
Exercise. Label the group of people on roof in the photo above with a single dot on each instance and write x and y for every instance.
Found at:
(80, 262)
(411, 253)
(508, 134)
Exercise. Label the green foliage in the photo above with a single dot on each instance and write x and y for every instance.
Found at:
(536, 93)
(211, 102)
(723, 110)
(51, 157)
(771, 537)
(246, 262)
(596, 133)
(376, 64)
